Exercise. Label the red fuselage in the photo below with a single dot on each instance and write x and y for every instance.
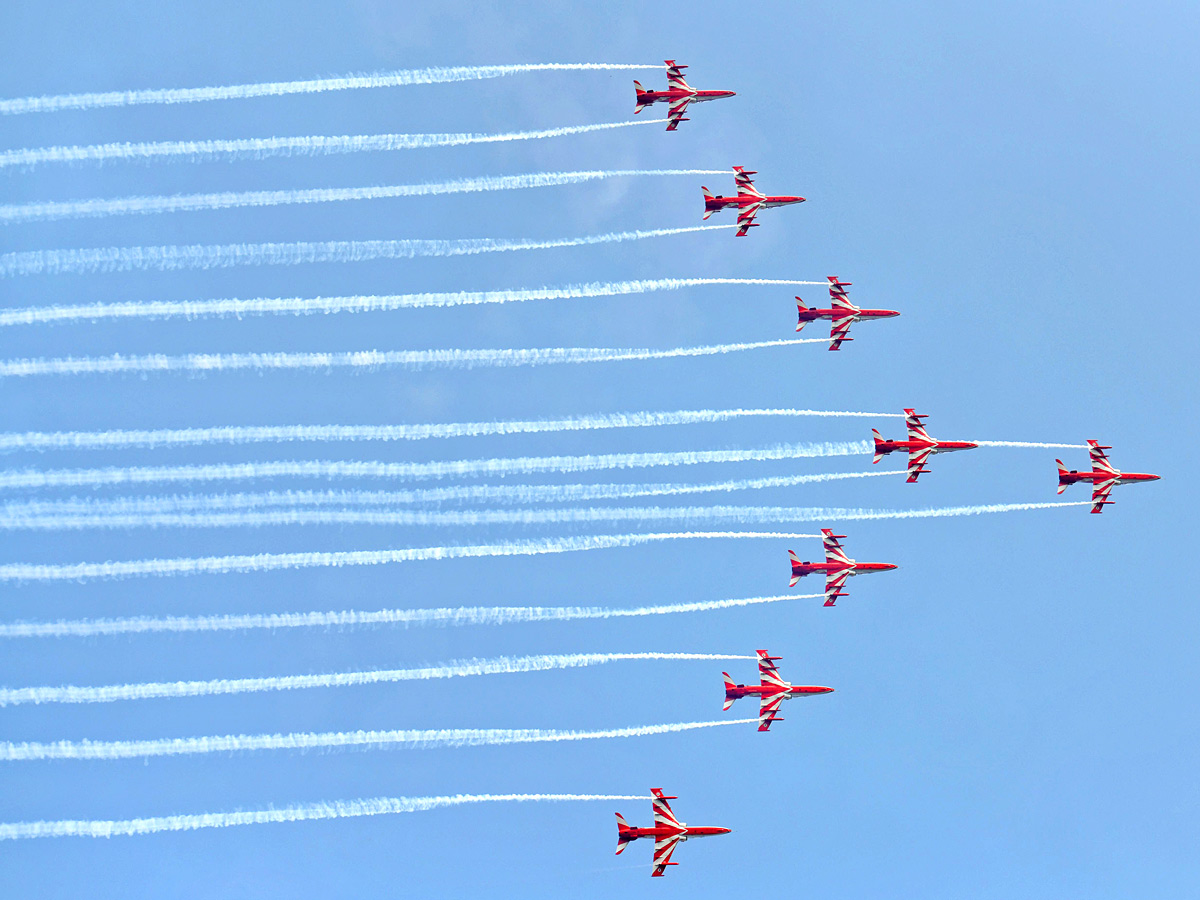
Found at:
(768, 690)
(884, 447)
(632, 833)
(800, 569)
(1099, 476)
(811, 314)
(741, 201)
(645, 98)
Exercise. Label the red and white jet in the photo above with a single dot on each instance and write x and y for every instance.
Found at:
(920, 446)
(772, 690)
(667, 832)
(678, 94)
(837, 567)
(1104, 476)
(747, 202)
(841, 315)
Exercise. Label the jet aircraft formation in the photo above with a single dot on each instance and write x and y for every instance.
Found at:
(667, 831)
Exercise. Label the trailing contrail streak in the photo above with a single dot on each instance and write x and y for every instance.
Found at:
(256, 434)
(459, 668)
(262, 148)
(334, 809)
(741, 515)
(370, 359)
(1031, 444)
(300, 306)
(409, 739)
(145, 205)
(400, 78)
(266, 562)
(219, 256)
(273, 561)
(464, 468)
(13, 512)
(446, 616)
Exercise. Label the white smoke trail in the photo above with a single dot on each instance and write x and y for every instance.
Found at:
(50, 210)
(262, 148)
(741, 515)
(408, 618)
(298, 306)
(1031, 444)
(433, 518)
(255, 434)
(403, 77)
(503, 665)
(266, 562)
(12, 512)
(409, 739)
(370, 359)
(219, 256)
(465, 468)
(335, 809)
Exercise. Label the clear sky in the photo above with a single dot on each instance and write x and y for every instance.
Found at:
(1015, 710)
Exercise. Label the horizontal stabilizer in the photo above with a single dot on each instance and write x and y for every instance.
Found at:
(831, 599)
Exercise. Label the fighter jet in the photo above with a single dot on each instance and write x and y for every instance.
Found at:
(920, 446)
(837, 567)
(667, 832)
(841, 315)
(772, 690)
(678, 94)
(748, 201)
(1104, 477)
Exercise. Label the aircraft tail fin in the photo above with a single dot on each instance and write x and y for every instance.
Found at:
(797, 572)
(623, 837)
(801, 309)
(708, 211)
(729, 685)
(878, 442)
(1062, 476)
(642, 102)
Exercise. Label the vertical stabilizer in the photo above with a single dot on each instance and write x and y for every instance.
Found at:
(623, 830)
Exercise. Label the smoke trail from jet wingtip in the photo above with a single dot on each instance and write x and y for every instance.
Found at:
(411, 739)
(266, 562)
(263, 148)
(469, 468)
(51, 210)
(255, 434)
(171, 258)
(443, 617)
(233, 307)
(687, 515)
(504, 665)
(400, 78)
(426, 518)
(23, 513)
(371, 359)
(336, 809)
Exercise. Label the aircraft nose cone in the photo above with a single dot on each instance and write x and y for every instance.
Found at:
(892, 312)
(889, 566)
(1155, 477)
(724, 830)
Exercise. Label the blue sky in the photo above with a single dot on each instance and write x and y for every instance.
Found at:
(1014, 711)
